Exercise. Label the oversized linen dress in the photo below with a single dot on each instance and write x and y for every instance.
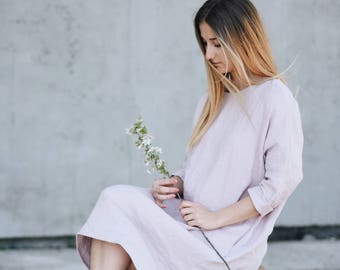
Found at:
(235, 158)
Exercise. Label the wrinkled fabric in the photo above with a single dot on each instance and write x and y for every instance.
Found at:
(235, 158)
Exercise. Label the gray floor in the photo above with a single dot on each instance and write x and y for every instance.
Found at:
(296, 255)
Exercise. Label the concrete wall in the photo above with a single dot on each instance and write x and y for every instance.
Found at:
(74, 75)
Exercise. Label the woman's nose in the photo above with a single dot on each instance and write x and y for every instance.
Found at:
(209, 53)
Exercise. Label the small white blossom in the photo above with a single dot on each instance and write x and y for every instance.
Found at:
(155, 149)
(158, 149)
(159, 163)
(152, 160)
(146, 140)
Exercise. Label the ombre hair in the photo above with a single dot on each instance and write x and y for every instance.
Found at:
(239, 30)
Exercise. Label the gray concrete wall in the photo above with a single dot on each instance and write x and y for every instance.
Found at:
(74, 75)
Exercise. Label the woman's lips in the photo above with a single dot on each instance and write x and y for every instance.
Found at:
(215, 64)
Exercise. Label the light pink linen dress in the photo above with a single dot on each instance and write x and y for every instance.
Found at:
(234, 159)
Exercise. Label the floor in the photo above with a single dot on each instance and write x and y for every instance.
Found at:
(292, 255)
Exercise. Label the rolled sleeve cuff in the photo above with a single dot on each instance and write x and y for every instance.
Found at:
(260, 203)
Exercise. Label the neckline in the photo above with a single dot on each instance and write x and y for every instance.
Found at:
(250, 87)
(244, 90)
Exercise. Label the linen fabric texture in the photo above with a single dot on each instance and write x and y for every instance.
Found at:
(233, 159)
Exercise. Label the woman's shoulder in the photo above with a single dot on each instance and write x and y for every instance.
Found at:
(278, 94)
(278, 90)
(280, 101)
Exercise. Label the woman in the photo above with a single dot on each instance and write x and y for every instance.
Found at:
(243, 161)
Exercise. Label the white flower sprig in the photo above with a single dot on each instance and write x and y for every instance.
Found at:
(152, 159)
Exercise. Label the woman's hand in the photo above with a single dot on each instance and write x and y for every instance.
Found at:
(197, 215)
(164, 189)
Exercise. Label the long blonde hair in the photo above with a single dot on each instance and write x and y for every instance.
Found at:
(240, 32)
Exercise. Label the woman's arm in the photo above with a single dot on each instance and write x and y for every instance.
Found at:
(237, 212)
(283, 165)
(196, 214)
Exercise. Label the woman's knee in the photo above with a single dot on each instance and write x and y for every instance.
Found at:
(120, 192)
(112, 192)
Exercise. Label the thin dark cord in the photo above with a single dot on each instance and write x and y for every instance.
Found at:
(214, 249)
(179, 196)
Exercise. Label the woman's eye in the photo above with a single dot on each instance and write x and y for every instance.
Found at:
(216, 45)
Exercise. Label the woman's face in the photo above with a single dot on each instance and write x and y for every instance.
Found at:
(213, 50)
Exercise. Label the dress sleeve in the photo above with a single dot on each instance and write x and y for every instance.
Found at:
(181, 171)
(282, 157)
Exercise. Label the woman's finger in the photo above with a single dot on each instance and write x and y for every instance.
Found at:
(160, 204)
(156, 183)
(168, 181)
(163, 197)
(188, 217)
(163, 189)
(166, 190)
(185, 211)
(164, 181)
(185, 204)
